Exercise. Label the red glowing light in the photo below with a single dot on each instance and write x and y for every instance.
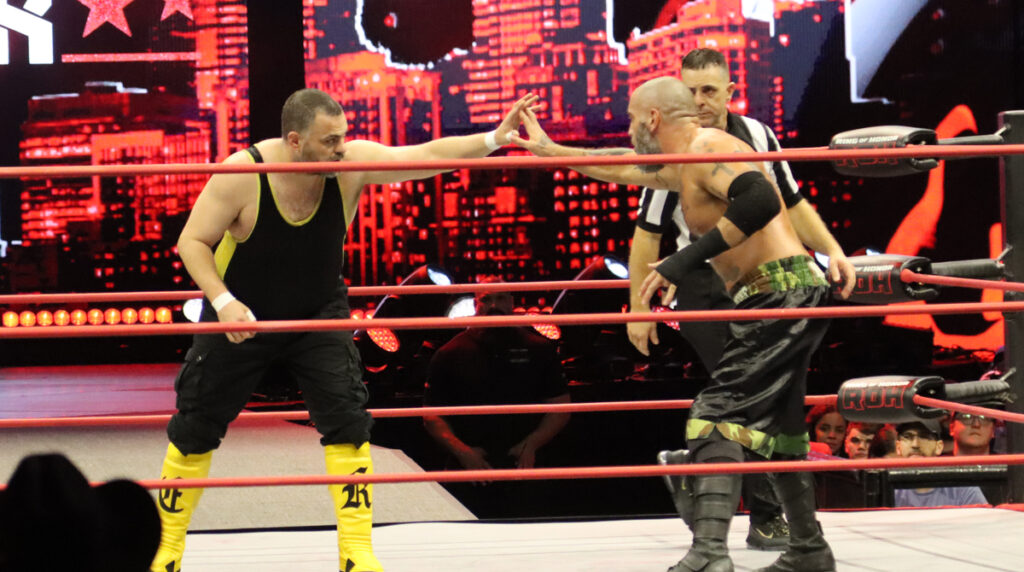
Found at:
(163, 315)
(95, 316)
(27, 319)
(549, 331)
(384, 338)
(129, 316)
(112, 316)
(61, 318)
(79, 317)
(146, 315)
(44, 318)
(10, 319)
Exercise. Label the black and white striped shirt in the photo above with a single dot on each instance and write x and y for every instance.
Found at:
(659, 210)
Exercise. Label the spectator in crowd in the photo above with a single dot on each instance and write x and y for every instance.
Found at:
(495, 366)
(972, 434)
(884, 444)
(52, 519)
(922, 439)
(827, 426)
(859, 437)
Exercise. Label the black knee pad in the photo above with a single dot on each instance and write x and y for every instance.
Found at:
(715, 448)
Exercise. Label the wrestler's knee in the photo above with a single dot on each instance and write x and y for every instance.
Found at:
(715, 448)
(353, 427)
(194, 436)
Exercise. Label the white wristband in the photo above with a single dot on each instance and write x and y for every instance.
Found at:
(490, 140)
(224, 299)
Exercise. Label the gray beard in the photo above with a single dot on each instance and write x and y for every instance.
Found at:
(646, 144)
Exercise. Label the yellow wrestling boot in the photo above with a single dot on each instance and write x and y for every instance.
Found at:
(353, 505)
(176, 506)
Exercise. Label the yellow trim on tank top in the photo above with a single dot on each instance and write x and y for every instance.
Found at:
(226, 248)
(277, 205)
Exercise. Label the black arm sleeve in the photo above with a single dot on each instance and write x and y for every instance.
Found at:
(752, 202)
(676, 267)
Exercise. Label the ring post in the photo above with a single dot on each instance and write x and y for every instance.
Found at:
(1012, 204)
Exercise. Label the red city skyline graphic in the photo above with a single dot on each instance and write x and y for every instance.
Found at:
(523, 226)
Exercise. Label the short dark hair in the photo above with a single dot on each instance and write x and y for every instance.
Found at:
(301, 107)
(816, 413)
(865, 428)
(930, 425)
(703, 57)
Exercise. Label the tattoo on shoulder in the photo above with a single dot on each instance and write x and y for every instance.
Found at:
(722, 167)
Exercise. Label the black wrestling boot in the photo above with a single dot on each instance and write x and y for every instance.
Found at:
(679, 486)
(714, 503)
(807, 550)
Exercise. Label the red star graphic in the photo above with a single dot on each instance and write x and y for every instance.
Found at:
(172, 6)
(102, 11)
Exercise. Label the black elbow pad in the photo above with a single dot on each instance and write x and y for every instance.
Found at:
(752, 202)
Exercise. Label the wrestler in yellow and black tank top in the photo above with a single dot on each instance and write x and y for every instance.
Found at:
(286, 269)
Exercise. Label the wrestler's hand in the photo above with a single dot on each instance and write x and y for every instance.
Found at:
(652, 283)
(236, 311)
(510, 125)
(474, 459)
(525, 454)
(842, 271)
(642, 332)
(538, 143)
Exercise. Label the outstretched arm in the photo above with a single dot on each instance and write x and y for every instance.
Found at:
(542, 146)
(459, 147)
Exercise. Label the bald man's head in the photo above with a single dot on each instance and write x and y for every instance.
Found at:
(668, 95)
(657, 103)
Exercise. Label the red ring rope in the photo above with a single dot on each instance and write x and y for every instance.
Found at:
(492, 321)
(578, 407)
(589, 472)
(908, 275)
(964, 408)
(515, 162)
(71, 298)
(168, 295)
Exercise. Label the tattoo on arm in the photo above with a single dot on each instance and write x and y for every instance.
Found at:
(615, 151)
(722, 167)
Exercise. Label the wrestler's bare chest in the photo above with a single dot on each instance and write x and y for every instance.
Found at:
(298, 204)
(701, 210)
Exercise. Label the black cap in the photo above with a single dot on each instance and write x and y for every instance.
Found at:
(930, 425)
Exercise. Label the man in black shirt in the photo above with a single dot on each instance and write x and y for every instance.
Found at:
(495, 366)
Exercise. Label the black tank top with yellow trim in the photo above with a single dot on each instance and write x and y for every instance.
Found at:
(287, 270)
